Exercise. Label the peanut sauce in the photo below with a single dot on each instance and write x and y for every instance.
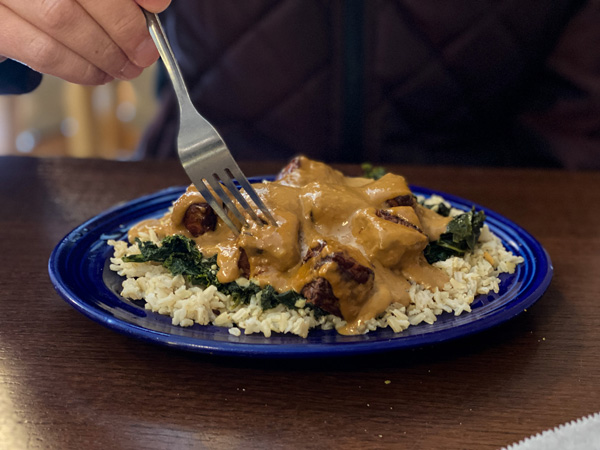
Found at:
(326, 221)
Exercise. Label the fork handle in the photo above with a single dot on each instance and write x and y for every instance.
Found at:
(166, 53)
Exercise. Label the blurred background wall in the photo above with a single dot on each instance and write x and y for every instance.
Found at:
(64, 119)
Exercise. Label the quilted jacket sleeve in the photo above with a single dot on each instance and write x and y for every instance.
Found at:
(15, 78)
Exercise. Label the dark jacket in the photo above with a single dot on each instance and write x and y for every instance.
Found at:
(15, 78)
(417, 81)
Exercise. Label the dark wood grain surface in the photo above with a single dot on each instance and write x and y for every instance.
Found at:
(69, 383)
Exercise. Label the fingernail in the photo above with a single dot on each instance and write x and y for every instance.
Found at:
(145, 53)
(129, 71)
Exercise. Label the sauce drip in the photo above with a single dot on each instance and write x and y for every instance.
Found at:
(347, 231)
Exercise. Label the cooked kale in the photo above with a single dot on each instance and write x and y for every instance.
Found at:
(181, 257)
(439, 208)
(461, 236)
(443, 210)
(171, 246)
(240, 294)
(270, 298)
(371, 171)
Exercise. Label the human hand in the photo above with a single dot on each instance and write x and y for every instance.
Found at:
(81, 41)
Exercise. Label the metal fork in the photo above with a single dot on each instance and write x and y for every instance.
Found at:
(202, 152)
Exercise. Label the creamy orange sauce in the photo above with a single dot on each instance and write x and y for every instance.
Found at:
(317, 207)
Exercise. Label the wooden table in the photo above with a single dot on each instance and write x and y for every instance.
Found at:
(69, 383)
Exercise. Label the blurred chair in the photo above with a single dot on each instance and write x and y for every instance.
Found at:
(8, 126)
(64, 119)
(99, 120)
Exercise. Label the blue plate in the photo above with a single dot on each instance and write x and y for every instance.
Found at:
(79, 270)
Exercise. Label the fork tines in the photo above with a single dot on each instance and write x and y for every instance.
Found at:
(221, 197)
(202, 151)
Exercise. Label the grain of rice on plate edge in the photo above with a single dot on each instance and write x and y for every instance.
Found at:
(366, 239)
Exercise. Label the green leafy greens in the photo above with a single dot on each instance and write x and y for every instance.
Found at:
(181, 257)
(461, 236)
(440, 208)
(371, 171)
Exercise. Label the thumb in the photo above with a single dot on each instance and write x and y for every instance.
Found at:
(154, 6)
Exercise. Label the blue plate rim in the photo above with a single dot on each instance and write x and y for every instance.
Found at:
(294, 349)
